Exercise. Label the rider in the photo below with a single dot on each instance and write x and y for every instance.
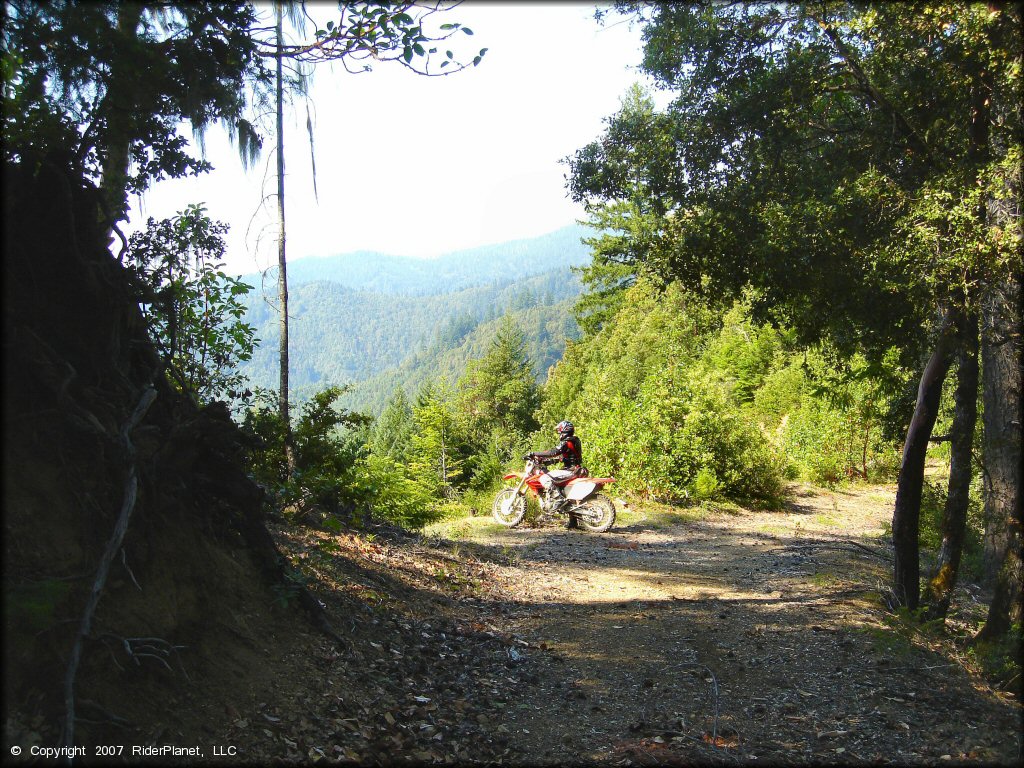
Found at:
(570, 451)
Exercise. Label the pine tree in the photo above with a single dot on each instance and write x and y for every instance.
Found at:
(393, 431)
(498, 391)
(436, 448)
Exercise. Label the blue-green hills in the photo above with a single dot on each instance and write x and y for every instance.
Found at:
(378, 322)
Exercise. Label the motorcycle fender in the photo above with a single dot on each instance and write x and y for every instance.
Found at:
(512, 476)
(578, 490)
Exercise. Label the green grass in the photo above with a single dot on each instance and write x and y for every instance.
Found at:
(652, 514)
(1000, 660)
(824, 579)
(462, 526)
(889, 643)
(459, 523)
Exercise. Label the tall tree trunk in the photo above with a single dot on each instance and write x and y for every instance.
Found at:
(965, 415)
(907, 512)
(119, 107)
(1002, 360)
(1000, 339)
(1002, 345)
(282, 261)
(954, 520)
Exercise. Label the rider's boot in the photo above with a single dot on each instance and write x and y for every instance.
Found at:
(555, 497)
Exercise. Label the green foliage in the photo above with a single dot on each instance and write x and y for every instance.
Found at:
(933, 504)
(378, 341)
(743, 352)
(439, 447)
(31, 608)
(325, 448)
(652, 408)
(679, 399)
(836, 427)
(386, 31)
(109, 83)
(393, 430)
(193, 308)
(780, 393)
(1000, 660)
(498, 393)
(814, 153)
(497, 400)
(389, 490)
(287, 590)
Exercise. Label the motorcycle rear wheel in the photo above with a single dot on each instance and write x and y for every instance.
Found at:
(596, 514)
(509, 507)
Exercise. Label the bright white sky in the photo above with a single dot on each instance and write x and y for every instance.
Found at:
(418, 166)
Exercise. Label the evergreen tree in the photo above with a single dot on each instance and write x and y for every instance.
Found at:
(437, 450)
(393, 430)
(498, 391)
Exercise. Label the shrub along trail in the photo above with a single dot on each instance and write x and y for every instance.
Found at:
(736, 636)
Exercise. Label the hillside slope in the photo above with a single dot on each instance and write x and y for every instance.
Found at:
(546, 327)
(380, 339)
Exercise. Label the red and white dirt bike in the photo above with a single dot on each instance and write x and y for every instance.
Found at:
(583, 504)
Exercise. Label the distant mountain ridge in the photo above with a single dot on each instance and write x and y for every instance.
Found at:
(398, 323)
(546, 328)
(383, 273)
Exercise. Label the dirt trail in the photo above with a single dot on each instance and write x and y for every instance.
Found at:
(751, 636)
(759, 631)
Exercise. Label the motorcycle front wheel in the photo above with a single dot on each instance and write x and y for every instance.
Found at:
(509, 507)
(596, 514)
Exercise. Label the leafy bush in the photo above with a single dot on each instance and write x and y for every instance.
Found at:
(325, 451)
(835, 429)
(780, 394)
(706, 485)
(816, 438)
(194, 310)
(385, 486)
(683, 436)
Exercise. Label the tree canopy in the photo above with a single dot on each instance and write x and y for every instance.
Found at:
(855, 167)
(821, 153)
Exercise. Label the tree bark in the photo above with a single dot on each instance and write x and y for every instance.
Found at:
(1002, 345)
(907, 512)
(282, 261)
(954, 520)
(1001, 341)
(1002, 359)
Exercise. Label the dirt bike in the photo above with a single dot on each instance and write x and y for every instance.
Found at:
(585, 507)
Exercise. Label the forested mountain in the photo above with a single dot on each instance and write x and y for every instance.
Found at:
(402, 335)
(372, 271)
(545, 329)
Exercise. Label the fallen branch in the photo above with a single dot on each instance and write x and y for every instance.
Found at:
(113, 545)
(850, 546)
